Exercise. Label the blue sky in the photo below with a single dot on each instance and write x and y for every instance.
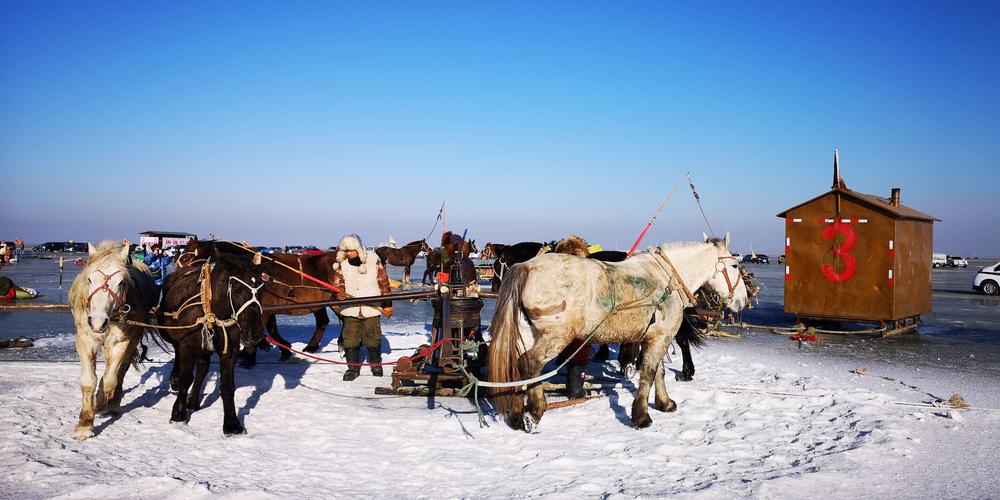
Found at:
(297, 122)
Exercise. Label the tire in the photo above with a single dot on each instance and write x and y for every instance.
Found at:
(937, 266)
(990, 288)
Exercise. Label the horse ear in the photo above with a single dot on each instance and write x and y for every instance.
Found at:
(124, 254)
(90, 248)
(705, 235)
(727, 239)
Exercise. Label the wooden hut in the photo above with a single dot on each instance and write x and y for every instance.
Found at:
(858, 257)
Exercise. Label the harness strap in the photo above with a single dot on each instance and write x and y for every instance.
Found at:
(674, 274)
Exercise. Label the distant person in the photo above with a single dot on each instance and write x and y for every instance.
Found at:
(10, 290)
(360, 276)
(157, 261)
(18, 248)
(3, 253)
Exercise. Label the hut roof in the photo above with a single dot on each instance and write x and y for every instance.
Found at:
(875, 202)
(169, 234)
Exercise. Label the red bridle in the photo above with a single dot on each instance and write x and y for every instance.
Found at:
(730, 283)
(119, 300)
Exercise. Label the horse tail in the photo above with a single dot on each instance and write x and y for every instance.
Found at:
(505, 343)
(690, 333)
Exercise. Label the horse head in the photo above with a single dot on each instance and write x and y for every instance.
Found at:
(487, 252)
(107, 285)
(727, 280)
(425, 247)
(470, 247)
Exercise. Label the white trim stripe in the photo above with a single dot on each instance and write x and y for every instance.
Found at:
(890, 274)
(862, 221)
(829, 221)
(890, 244)
(796, 220)
(788, 242)
(786, 270)
(845, 221)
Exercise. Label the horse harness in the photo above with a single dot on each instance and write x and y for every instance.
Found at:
(122, 307)
(674, 276)
(209, 320)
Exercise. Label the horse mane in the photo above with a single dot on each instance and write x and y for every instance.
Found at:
(414, 243)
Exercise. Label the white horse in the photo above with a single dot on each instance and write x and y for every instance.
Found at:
(553, 299)
(109, 290)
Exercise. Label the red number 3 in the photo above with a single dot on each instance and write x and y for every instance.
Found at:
(843, 252)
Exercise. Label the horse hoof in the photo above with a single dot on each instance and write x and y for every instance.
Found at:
(642, 422)
(233, 430)
(82, 434)
(285, 355)
(311, 348)
(178, 419)
(174, 384)
(669, 407)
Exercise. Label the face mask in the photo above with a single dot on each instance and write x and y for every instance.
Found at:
(356, 261)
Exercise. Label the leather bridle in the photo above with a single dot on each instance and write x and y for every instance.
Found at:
(122, 307)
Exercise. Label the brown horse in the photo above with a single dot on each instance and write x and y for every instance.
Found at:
(284, 286)
(404, 256)
(433, 258)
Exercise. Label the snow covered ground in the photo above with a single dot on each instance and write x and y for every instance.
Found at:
(758, 421)
(764, 418)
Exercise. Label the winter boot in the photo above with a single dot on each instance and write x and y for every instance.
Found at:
(574, 381)
(374, 358)
(353, 370)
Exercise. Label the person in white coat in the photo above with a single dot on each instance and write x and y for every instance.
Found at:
(360, 276)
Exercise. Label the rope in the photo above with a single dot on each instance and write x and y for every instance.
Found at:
(427, 351)
(436, 220)
(653, 218)
(697, 199)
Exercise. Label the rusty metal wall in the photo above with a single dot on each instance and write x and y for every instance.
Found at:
(912, 268)
(865, 292)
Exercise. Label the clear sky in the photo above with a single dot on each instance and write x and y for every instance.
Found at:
(297, 122)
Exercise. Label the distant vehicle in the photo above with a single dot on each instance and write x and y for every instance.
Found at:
(781, 259)
(987, 280)
(294, 249)
(78, 247)
(939, 260)
(274, 249)
(311, 251)
(51, 246)
(956, 261)
(265, 250)
(756, 259)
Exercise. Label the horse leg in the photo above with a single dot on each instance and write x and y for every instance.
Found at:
(663, 401)
(406, 274)
(116, 401)
(653, 356)
(322, 320)
(532, 363)
(198, 386)
(88, 383)
(227, 388)
(183, 358)
(603, 353)
(272, 330)
(100, 398)
(687, 369)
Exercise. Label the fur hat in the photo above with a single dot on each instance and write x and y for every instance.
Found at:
(351, 242)
(574, 245)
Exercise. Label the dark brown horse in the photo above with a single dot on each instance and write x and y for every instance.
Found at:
(285, 285)
(508, 255)
(403, 256)
(433, 258)
(211, 285)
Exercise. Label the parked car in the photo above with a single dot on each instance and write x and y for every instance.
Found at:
(294, 249)
(756, 259)
(51, 246)
(781, 259)
(311, 251)
(957, 261)
(939, 260)
(987, 280)
(78, 247)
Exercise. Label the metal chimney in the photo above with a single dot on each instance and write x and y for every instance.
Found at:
(894, 197)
